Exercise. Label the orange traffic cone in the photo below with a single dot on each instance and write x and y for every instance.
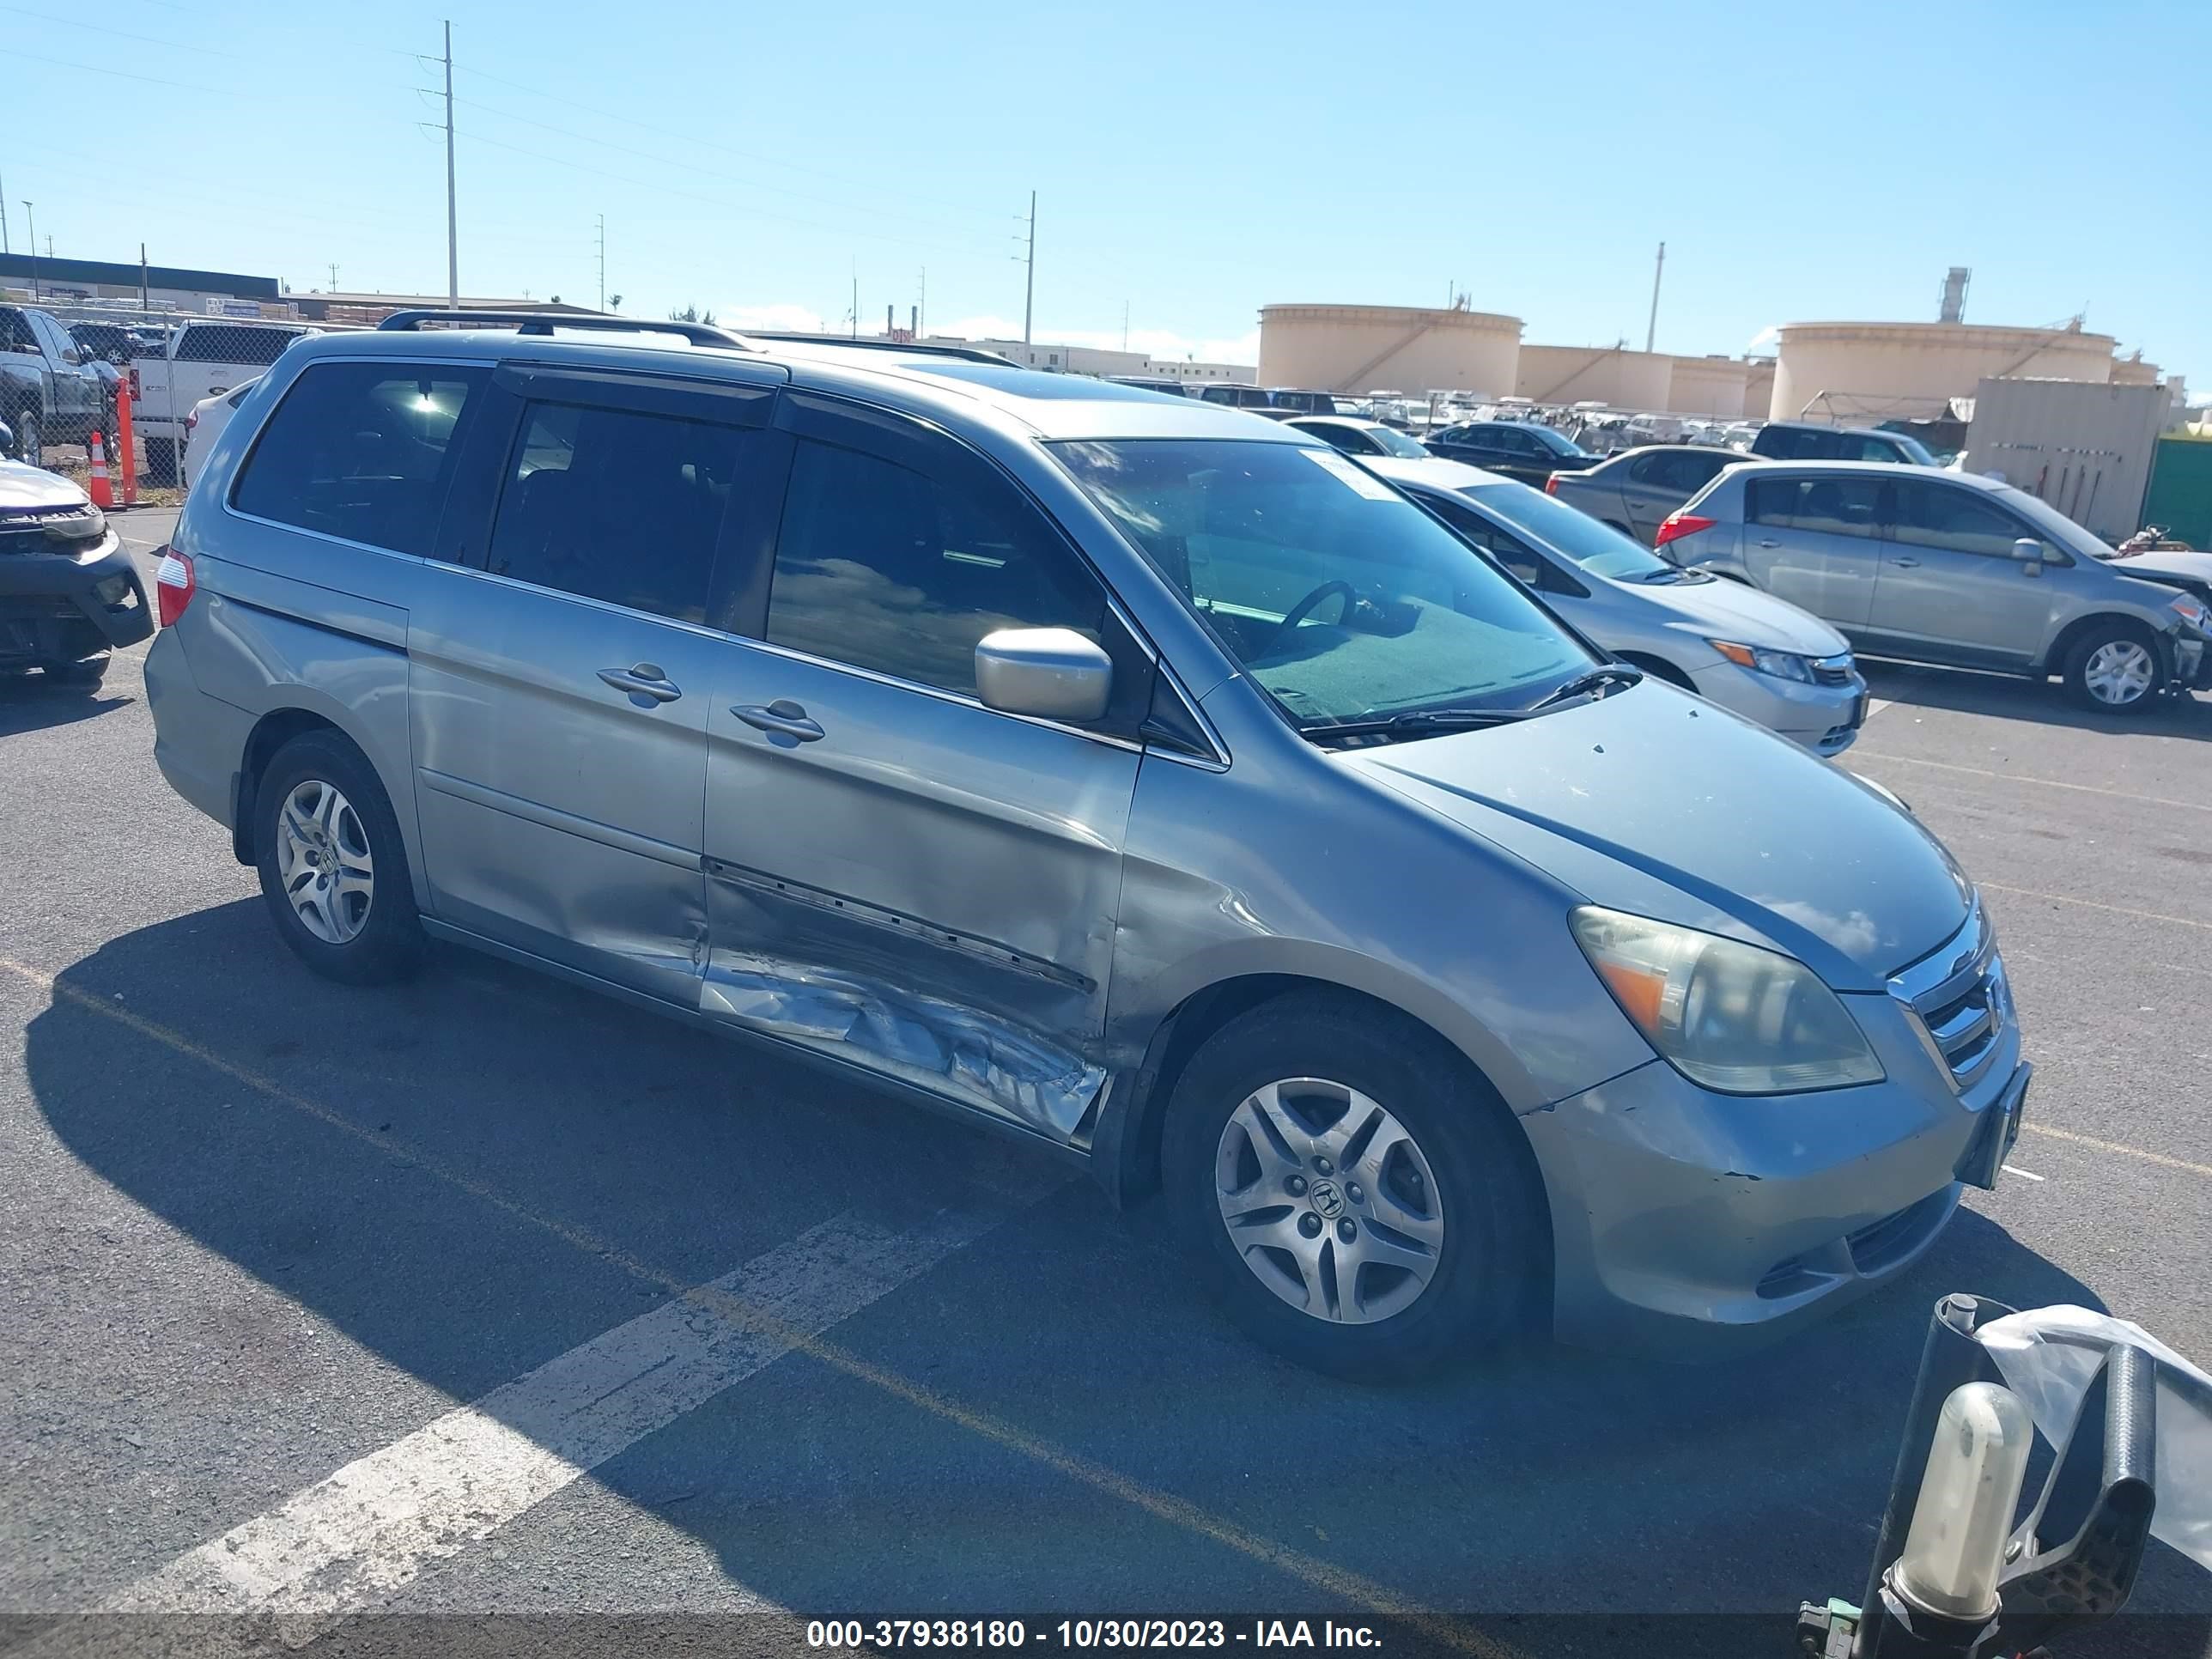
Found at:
(102, 496)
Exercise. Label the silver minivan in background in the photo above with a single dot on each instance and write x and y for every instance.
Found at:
(1751, 654)
(1948, 567)
(1128, 775)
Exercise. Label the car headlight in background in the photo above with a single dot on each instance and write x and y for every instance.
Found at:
(1732, 1017)
(1782, 664)
(2191, 610)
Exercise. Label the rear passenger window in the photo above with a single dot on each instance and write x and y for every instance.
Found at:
(218, 343)
(362, 451)
(1833, 507)
(887, 570)
(616, 505)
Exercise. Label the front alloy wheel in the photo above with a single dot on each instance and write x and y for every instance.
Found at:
(323, 862)
(1328, 1200)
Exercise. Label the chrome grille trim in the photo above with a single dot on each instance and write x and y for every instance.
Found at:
(1958, 998)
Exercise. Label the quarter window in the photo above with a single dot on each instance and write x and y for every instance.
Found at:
(886, 568)
(616, 505)
(361, 451)
(1832, 506)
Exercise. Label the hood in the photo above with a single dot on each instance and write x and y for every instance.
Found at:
(1653, 802)
(1719, 610)
(2174, 567)
(28, 489)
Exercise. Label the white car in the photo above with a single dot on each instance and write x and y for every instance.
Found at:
(206, 424)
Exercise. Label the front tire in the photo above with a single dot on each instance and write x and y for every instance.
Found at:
(332, 866)
(2113, 669)
(1352, 1192)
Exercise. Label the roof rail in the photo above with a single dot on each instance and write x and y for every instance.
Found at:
(545, 322)
(967, 353)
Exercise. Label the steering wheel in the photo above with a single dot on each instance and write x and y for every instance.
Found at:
(1306, 607)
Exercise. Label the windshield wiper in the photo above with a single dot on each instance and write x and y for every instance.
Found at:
(1610, 673)
(1414, 722)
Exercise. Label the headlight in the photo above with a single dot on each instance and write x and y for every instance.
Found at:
(88, 526)
(1782, 664)
(2192, 611)
(1731, 1016)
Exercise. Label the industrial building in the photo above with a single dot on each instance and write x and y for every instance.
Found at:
(1844, 373)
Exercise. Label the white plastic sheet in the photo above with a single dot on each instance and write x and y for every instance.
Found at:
(2042, 1356)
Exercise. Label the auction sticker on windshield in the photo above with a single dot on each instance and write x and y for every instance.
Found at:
(1365, 481)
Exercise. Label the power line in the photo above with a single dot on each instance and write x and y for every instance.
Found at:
(125, 74)
(710, 143)
(692, 167)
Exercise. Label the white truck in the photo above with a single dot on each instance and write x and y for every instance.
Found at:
(198, 360)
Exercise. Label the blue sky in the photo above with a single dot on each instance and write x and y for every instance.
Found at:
(1193, 160)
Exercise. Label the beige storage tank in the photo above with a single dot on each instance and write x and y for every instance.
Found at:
(1709, 386)
(1860, 373)
(1611, 375)
(1356, 349)
(1758, 387)
(2134, 371)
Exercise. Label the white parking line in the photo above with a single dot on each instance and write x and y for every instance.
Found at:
(2024, 1175)
(1876, 705)
(348, 1542)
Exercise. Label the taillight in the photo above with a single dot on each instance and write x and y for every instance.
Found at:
(173, 587)
(1675, 525)
(1551, 484)
(192, 420)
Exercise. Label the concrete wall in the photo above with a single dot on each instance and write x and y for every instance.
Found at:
(1605, 374)
(1758, 387)
(1409, 349)
(1863, 373)
(1709, 386)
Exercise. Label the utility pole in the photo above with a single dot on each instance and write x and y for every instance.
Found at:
(453, 217)
(334, 276)
(921, 303)
(145, 302)
(602, 262)
(34, 224)
(1125, 325)
(1651, 333)
(856, 300)
(1028, 293)
(4, 248)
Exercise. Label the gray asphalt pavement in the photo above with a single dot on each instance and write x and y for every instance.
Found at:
(257, 1229)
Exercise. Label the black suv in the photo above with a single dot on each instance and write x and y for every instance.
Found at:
(1519, 449)
(1803, 441)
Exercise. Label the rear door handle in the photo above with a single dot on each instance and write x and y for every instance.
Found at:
(783, 717)
(1766, 544)
(1906, 564)
(644, 681)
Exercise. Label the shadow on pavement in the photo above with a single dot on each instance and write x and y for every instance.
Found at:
(2006, 697)
(1558, 1482)
(32, 702)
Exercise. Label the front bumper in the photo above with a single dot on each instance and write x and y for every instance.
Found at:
(1686, 1223)
(1825, 719)
(57, 607)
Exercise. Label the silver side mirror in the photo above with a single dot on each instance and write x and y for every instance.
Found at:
(1054, 673)
(2027, 553)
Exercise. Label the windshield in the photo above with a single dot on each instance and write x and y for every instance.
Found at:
(1915, 450)
(1394, 442)
(1336, 594)
(2056, 525)
(1557, 442)
(1597, 548)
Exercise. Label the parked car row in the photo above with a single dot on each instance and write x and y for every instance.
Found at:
(1159, 786)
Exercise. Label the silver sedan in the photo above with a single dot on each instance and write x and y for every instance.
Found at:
(1746, 651)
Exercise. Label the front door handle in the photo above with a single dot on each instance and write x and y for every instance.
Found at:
(783, 717)
(1906, 564)
(644, 681)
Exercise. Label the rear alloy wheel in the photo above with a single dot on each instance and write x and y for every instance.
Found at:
(2112, 671)
(333, 868)
(1352, 1192)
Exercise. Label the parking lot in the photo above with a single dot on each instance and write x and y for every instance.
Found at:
(635, 1321)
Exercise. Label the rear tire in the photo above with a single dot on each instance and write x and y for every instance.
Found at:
(30, 443)
(161, 459)
(2113, 668)
(333, 867)
(1430, 1153)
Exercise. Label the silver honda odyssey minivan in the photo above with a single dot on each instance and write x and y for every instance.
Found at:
(1130, 775)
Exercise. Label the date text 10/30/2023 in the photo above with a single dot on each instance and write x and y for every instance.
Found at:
(1086, 1633)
